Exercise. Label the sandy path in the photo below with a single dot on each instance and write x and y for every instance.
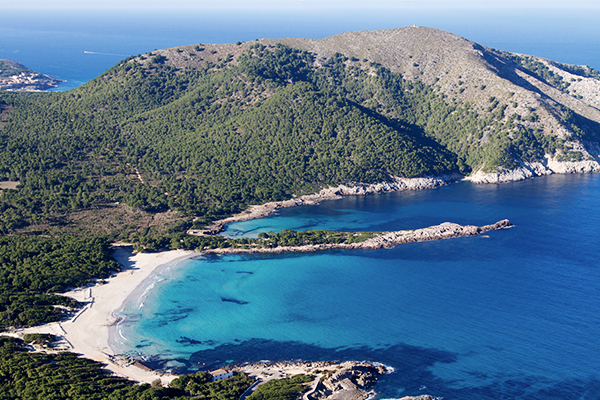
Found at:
(87, 332)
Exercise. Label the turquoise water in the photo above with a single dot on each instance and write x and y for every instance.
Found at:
(510, 314)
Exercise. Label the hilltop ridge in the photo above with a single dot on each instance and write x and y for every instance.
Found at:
(547, 96)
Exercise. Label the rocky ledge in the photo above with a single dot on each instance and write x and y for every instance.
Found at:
(528, 170)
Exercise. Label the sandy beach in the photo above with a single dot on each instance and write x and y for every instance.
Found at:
(87, 332)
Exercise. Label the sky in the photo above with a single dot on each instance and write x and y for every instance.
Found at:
(79, 39)
(292, 4)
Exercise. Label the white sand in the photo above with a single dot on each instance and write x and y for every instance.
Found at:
(87, 333)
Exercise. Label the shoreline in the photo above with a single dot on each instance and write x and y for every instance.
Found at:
(527, 170)
(445, 230)
(329, 193)
(87, 332)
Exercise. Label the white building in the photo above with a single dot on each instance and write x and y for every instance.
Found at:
(221, 374)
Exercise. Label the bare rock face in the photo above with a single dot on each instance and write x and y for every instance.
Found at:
(397, 184)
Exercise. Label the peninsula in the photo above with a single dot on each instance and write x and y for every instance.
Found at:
(352, 240)
(17, 77)
(165, 148)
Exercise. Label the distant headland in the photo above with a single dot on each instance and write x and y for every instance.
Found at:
(17, 77)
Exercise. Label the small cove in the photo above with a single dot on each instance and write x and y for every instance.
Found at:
(512, 309)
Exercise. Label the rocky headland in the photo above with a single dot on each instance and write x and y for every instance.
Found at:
(348, 380)
(445, 230)
(25, 82)
(17, 77)
(528, 170)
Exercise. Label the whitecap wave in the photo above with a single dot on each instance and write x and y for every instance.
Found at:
(388, 368)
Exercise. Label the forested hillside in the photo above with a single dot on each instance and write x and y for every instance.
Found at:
(10, 68)
(179, 137)
(207, 142)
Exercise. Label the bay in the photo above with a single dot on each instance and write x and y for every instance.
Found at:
(512, 314)
(509, 314)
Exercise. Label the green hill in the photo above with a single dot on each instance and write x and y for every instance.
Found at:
(174, 139)
(200, 132)
(10, 68)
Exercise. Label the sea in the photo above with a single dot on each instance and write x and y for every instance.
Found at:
(78, 45)
(509, 314)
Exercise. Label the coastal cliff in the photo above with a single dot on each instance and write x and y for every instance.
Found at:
(532, 169)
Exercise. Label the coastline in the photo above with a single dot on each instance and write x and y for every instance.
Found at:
(264, 210)
(527, 170)
(446, 230)
(87, 333)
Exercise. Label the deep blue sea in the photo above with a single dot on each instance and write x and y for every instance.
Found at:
(513, 314)
(77, 46)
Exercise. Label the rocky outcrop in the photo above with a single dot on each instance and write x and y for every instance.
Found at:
(532, 169)
(445, 230)
(395, 185)
(350, 382)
